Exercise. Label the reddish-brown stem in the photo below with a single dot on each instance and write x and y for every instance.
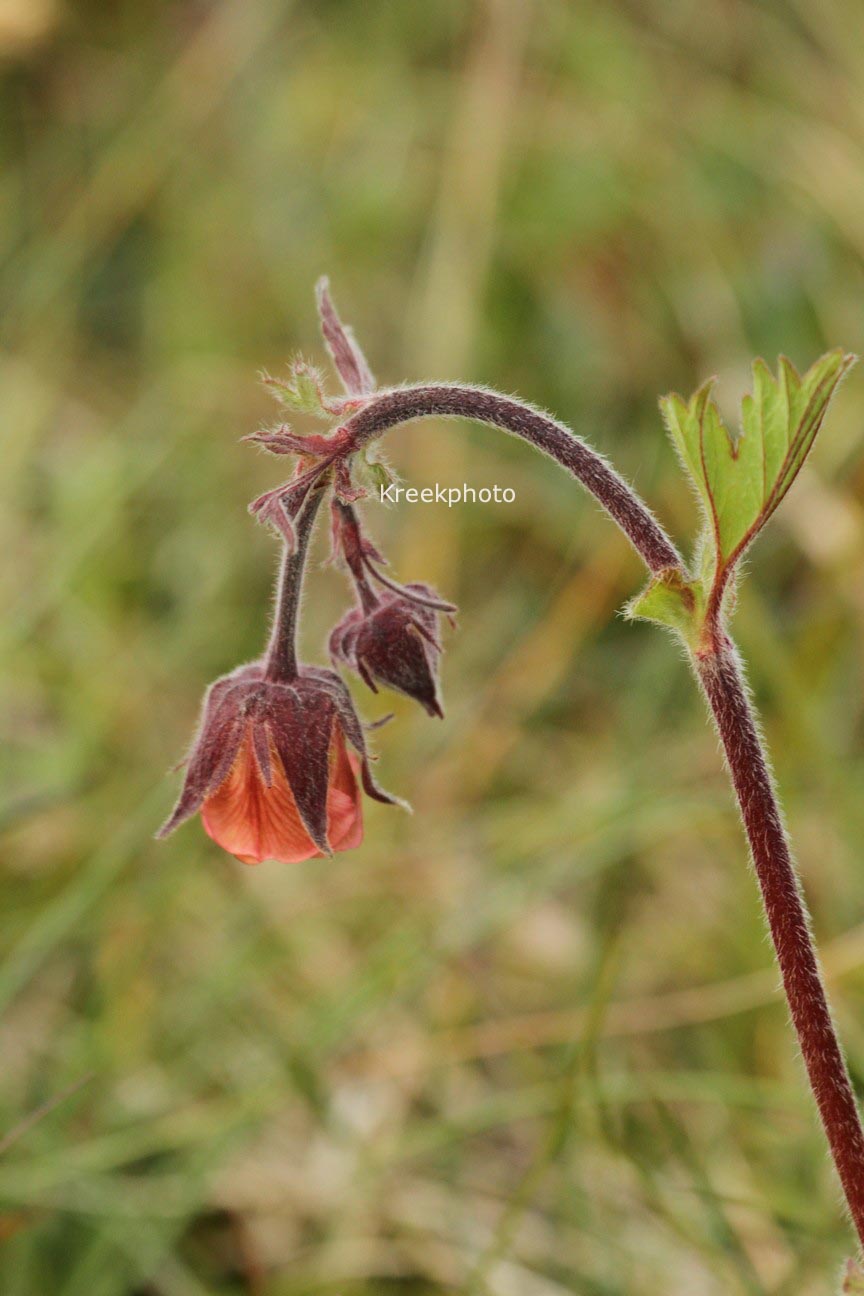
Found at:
(385, 409)
(282, 649)
(721, 677)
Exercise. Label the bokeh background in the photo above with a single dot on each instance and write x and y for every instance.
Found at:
(528, 1040)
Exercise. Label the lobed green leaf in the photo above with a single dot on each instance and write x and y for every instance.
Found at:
(741, 478)
(302, 391)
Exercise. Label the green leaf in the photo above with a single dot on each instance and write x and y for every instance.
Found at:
(302, 391)
(741, 478)
(374, 474)
(671, 601)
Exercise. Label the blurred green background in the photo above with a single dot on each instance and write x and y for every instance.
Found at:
(529, 1040)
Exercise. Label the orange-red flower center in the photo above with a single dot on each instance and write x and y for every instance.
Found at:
(256, 822)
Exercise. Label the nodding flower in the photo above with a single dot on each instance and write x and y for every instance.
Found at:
(394, 642)
(274, 767)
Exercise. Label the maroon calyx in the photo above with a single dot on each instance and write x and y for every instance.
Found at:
(395, 644)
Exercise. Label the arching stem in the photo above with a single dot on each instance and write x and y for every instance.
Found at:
(386, 409)
(721, 678)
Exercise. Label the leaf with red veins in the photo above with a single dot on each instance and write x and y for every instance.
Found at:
(741, 477)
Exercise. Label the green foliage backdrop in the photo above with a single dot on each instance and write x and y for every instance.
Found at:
(529, 1040)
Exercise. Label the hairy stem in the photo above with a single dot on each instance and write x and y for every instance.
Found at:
(282, 649)
(386, 409)
(721, 678)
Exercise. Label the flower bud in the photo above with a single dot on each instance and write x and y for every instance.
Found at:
(271, 771)
(394, 642)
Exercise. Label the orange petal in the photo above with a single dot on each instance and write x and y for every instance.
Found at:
(344, 811)
(255, 822)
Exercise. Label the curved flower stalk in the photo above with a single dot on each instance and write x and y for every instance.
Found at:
(254, 746)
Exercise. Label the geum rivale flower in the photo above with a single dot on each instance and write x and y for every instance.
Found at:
(273, 769)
